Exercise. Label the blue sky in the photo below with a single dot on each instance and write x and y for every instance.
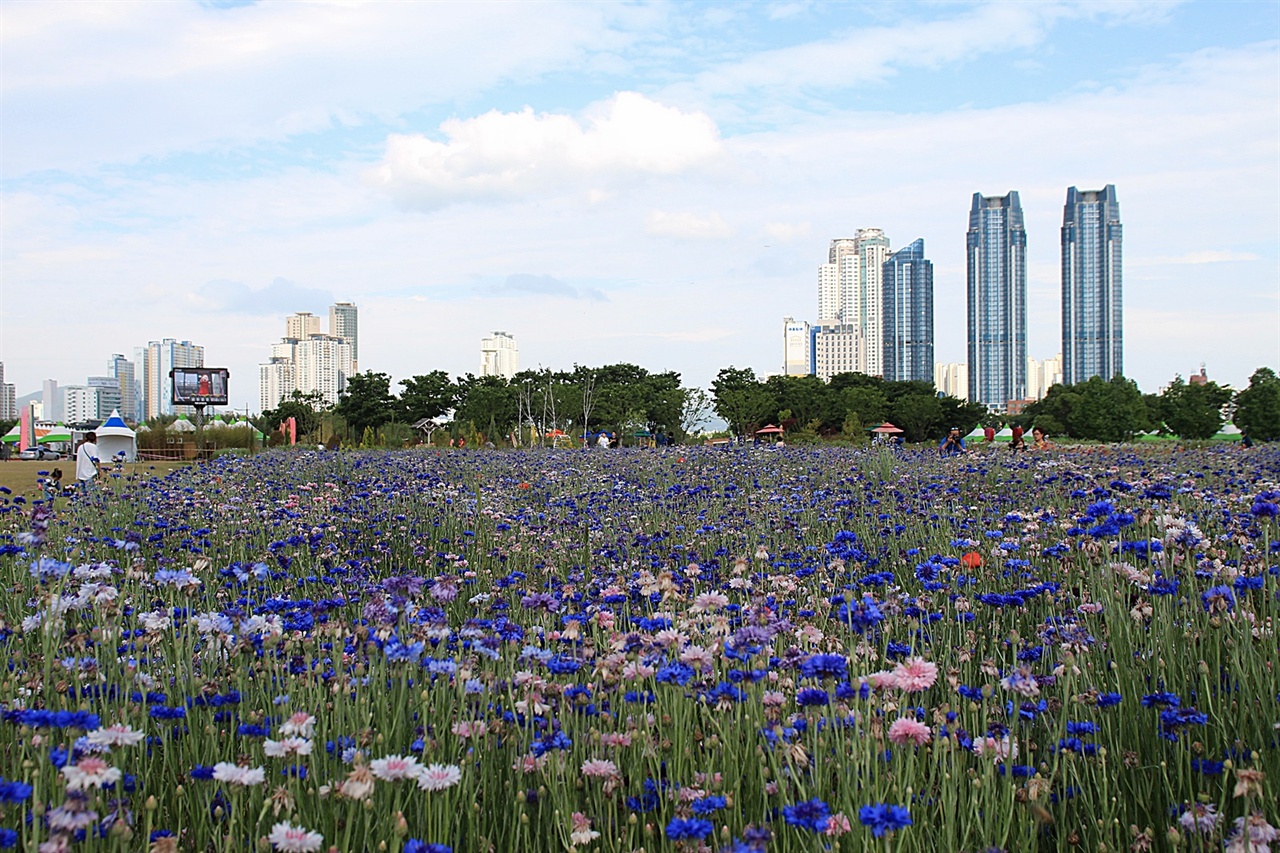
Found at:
(644, 182)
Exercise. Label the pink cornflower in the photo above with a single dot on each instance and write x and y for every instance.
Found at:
(393, 768)
(581, 831)
(90, 773)
(469, 728)
(294, 839)
(117, 735)
(705, 601)
(286, 747)
(615, 739)
(437, 777)
(838, 825)
(599, 768)
(906, 730)
(997, 749)
(915, 675)
(1200, 817)
(234, 774)
(773, 699)
(1252, 834)
(300, 724)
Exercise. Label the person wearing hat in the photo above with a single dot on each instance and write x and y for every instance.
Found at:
(953, 444)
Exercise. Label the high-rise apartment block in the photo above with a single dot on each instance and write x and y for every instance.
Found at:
(158, 359)
(8, 398)
(997, 296)
(499, 356)
(1043, 375)
(838, 348)
(125, 374)
(952, 379)
(301, 325)
(851, 293)
(308, 361)
(343, 323)
(1092, 285)
(908, 315)
(796, 348)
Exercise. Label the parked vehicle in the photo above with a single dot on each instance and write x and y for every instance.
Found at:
(40, 453)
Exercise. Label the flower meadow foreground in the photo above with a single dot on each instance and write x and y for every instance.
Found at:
(690, 650)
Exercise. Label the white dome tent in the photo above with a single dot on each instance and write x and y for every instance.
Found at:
(115, 439)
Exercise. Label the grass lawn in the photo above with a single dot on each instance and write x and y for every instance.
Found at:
(22, 475)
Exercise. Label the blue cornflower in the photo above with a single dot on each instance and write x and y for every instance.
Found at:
(692, 828)
(824, 666)
(812, 696)
(882, 818)
(416, 846)
(13, 792)
(1218, 599)
(811, 815)
(707, 805)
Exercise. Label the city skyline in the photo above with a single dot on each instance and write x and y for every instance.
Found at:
(648, 183)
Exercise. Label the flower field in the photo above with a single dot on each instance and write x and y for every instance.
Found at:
(679, 650)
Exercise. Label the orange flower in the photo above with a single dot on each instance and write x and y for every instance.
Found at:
(971, 560)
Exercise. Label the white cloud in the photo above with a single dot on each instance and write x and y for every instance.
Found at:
(93, 82)
(685, 225)
(787, 232)
(872, 53)
(508, 155)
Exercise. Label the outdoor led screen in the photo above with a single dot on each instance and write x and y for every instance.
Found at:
(199, 386)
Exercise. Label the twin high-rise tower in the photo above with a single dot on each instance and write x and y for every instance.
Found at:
(875, 308)
(1092, 293)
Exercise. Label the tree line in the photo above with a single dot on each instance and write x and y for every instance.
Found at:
(630, 400)
(1116, 410)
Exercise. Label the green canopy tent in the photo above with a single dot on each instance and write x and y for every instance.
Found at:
(58, 433)
(13, 435)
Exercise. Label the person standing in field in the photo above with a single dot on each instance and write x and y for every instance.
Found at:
(87, 464)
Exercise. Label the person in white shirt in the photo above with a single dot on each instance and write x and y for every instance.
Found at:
(87, 463)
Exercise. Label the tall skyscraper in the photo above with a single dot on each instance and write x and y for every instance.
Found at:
(122, 370)
(908, 315)
(159, 358)
(343, 324)
(8, 398)
(797, 354)
(1092, 286)
(499, 356)
(851, 292)
(997, 285)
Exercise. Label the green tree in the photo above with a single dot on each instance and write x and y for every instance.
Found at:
(366, 402)
(868, 401)
(1098, 409)
(740, 399)
(918, 415)
(305, 409)
(1194, 411)
(427, 395)
(1258, 406)
(487, 402)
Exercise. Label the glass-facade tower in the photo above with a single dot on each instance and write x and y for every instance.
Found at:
(1092, 286)
(908, 315)
(997, 291)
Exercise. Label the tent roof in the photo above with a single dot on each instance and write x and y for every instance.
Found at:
(115, 426)
(12, 436)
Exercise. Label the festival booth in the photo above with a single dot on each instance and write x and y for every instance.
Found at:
(116, 440)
